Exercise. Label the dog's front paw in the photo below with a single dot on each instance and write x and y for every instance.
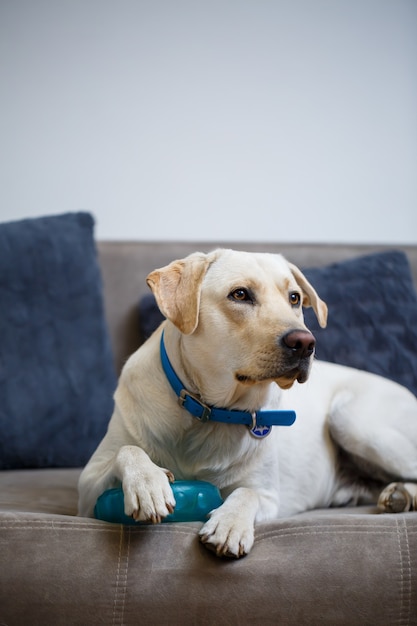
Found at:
(228, 534)
(147, 493)
(148, 496)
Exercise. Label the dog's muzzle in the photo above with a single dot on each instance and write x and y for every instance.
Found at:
(298, 347)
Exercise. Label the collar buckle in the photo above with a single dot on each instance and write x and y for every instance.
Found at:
(186, 398)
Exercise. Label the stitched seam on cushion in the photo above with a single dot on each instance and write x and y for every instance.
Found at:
(400, 621)
(338, 530)
(176, 529)
(83, 528)
(121, 579)
(359, 524)
(316, 534)
(126, 574)
(113, 528)
(409, 572)
(51, 526)
(57, 522)
(117, 574)
(277, 533)
(405, 574)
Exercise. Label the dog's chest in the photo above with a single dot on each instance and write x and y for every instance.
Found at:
(218, 453)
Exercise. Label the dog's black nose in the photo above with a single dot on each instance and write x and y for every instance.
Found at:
(300, 342)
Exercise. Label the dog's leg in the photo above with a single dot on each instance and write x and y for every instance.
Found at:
(96, 477)
(376, 423)
(398, 498)
(147, 493)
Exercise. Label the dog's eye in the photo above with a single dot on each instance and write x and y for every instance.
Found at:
(241, 295)
(295, 298)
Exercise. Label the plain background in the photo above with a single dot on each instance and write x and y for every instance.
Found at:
(256, 120)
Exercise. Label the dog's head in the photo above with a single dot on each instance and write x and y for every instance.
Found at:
(243, 312)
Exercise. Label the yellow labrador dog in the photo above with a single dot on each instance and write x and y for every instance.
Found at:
(197, 400)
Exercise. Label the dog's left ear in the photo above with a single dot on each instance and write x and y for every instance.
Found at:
(310, 296)
(177, 288)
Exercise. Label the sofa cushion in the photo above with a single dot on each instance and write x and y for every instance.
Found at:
(334, 567)
(372, 315)
(56, 368)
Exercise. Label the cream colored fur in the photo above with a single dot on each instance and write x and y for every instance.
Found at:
(227, 314)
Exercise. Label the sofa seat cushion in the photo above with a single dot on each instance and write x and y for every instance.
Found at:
(339, 566)
(359, 564)
(48, 491)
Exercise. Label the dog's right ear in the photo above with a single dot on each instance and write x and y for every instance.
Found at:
(311, 297)
(177, 288)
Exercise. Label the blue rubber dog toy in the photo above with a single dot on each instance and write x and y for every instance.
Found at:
(194, 501)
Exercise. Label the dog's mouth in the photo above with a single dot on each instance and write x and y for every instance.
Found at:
(283, 369)
(289, 378)
(284, 379)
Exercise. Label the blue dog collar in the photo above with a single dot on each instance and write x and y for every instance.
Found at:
(259, 422)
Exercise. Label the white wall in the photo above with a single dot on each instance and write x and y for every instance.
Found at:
(268, 120)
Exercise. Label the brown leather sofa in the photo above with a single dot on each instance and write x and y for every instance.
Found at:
(348, 566)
